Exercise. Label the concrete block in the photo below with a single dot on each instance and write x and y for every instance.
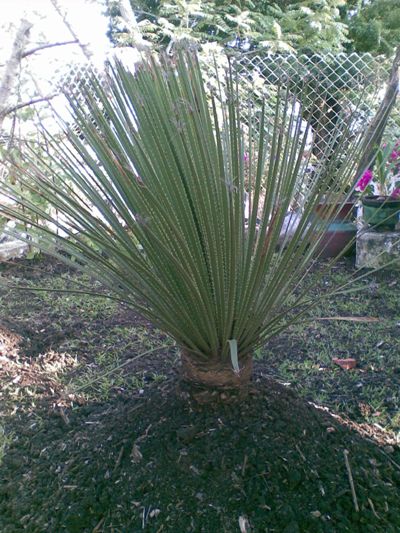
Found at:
(377, 249)
(12, 249)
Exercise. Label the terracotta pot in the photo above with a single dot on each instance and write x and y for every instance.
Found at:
(381, 213)
(340, 231)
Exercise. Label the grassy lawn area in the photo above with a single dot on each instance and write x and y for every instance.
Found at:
(94, 438)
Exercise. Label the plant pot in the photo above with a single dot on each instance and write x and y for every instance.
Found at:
(340, 229)
(381, 212)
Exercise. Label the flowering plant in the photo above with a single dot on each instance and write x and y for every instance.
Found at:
(384, 179)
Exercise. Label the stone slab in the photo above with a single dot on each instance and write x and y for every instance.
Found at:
(12, 249)
(378, 249)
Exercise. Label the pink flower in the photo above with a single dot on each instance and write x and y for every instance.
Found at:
(364, 180)
(246, 157)
(396, 193)
(394, 155)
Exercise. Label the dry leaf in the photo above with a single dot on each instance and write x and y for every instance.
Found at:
(346, 364)
(136, 454)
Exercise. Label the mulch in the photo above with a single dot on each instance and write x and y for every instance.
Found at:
(153, 461)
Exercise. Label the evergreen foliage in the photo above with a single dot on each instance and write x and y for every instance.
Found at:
(302, 25)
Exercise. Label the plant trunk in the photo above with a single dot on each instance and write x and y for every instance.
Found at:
(214, 376)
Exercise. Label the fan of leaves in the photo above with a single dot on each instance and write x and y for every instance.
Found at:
(152, 196)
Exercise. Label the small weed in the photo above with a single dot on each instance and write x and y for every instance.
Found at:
(158, 378)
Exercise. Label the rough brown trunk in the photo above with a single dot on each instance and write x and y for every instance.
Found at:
(215, 375)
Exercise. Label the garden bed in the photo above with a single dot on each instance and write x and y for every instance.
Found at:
(89, 450)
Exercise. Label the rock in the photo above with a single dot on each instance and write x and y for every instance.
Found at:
(388, 449)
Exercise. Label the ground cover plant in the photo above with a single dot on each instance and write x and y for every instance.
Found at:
(89, 450)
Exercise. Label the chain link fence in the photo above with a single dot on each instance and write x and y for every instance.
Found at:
(335, 86)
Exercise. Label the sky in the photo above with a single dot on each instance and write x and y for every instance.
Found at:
(85, 16)
(45, 69)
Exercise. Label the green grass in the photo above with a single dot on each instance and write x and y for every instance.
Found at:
(371, 392)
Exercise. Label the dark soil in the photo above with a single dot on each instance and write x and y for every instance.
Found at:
(147, 459)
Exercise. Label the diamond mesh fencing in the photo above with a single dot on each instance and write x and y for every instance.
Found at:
(335, 86)
(76, 78)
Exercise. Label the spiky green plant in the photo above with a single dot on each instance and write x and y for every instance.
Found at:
(151, 202)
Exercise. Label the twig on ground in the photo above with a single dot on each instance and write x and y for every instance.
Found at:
(351, 481)
(390, 459)
(145, 434)
(118, 461)
(373, 508)
(244, 465)
(98, 526)
(145, 516)
(300, 453)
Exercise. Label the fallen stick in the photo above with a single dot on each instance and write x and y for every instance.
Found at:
(118, 461)
(373, 508)
(244, 465)
(300, 453)
(390, 459)
(350, 318)
(350, 475)
(98, 526)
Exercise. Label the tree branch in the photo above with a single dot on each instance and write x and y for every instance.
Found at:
(84, 47)
(12, 63)
(44, 46)
(14, 108)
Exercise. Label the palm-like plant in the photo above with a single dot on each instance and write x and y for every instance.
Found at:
(151, 201)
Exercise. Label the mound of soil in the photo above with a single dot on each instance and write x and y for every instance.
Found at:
(156, 463)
